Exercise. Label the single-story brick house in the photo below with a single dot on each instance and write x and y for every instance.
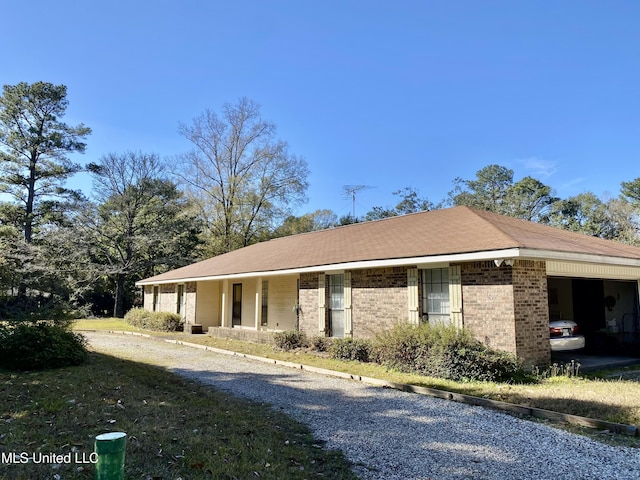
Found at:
(501, 277)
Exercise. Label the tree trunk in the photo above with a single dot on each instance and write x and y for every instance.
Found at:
(118, 309)
(31, 193)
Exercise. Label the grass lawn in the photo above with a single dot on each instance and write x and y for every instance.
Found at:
(175, 428)
(104, 324)
(614, 400)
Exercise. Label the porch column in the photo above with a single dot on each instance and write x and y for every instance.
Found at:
(455, 295)
(223, 307)
(412, 292)
(348, 325)
(258, 312)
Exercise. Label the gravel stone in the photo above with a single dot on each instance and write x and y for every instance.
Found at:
(389, 434)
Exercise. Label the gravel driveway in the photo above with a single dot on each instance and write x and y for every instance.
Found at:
(389, 434)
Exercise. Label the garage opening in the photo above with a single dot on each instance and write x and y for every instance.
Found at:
(606, 312)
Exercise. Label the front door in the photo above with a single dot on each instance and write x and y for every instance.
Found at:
(236, 311)
(336, 305)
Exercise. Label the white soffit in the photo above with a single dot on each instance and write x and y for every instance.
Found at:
(590, 270)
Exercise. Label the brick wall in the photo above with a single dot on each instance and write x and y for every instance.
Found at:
(190, 301)
(487, 304)
(308, 298)
(168, 298)
(507, 307)
(531, 311)
(379, 299)
(147, 300)
(242, 334)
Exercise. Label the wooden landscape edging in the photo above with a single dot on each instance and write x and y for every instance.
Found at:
(631, 430)
(621, 428)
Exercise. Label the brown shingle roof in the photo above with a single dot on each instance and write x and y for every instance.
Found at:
(455, 230)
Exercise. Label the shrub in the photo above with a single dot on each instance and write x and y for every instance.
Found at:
(159, 321)
(444, 352)
(164, 321)
(475, 362)
(319, 344)
(405, 346)
(136, 317)
(350, 349)
(290, 339)
(40, 345)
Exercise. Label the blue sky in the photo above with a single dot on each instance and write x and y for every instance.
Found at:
(388, 94)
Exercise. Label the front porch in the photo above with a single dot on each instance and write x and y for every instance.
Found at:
(260, 305)
(242, 334)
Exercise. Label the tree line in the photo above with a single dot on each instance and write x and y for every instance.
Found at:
(495, 189)
(63, 253)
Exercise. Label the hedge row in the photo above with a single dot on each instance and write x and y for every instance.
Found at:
(158, 321)
(444, 352)
(434, 351)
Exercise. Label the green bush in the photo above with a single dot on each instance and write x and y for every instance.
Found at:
(350, 349)
(290, 339)
(319, 344)
(40, 345)
(404, 346)
(158, 321)
(444, 352)
(136, 317)
(476, 362)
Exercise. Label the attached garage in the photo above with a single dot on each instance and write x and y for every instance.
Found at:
(602, 300)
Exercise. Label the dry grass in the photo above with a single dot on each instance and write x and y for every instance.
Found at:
(175, 428)
(612, 399)
(104, 324)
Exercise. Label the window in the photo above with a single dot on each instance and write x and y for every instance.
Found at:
(435, 295)
(156, 297)
(335, 303)
(264, 319)
(180, 300)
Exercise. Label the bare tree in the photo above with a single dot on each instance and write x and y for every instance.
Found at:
(243, 178)
(140, 223)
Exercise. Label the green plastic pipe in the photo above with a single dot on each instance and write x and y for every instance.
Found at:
(110, 448)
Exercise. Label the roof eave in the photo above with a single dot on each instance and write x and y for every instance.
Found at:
(523, 253)
(391, 262)
(578, 257)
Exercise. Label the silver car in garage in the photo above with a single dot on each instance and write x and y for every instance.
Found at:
(564, 335)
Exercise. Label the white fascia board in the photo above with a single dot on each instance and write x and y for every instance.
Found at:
(424, 262)
(578, 257)
(335, 268)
